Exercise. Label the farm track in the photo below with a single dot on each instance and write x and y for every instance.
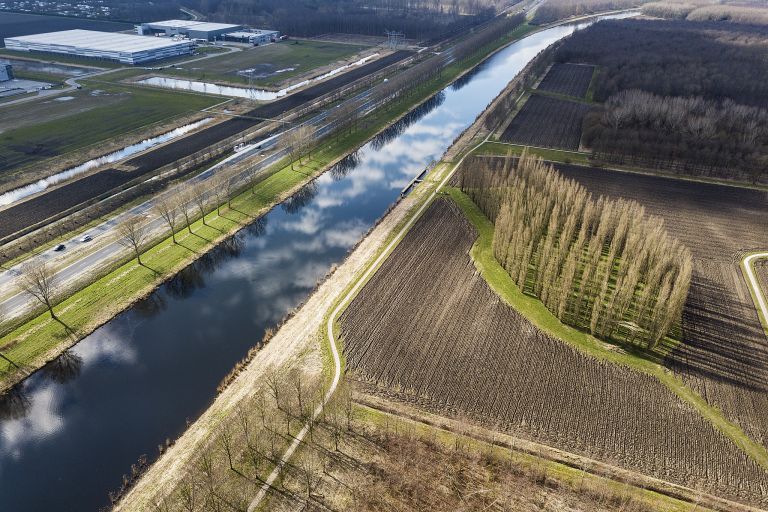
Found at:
(568, 79)
(761, 271)
(724, 354)
(547, 122)
(68, 196)
(419, 333)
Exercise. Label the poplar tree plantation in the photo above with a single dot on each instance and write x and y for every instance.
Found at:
(600, 265)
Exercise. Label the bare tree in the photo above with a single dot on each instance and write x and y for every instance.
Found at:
(38, 280)
(167, 208)
(200, 197)
(133, 234)
(187, 206)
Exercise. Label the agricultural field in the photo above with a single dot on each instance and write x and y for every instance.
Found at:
(547, 122)
(16, 24)
(418, 332)
(568, 79)
(107, 110)
(724, 353)
(265, 65)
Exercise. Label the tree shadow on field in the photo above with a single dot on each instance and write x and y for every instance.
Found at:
(722, 337)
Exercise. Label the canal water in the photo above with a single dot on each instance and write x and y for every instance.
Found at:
(69, 432)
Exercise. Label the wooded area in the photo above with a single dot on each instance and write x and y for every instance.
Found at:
(598, 264)
(553, 10)
(698, 110)
(418, 20)
(751, 13)
(684, 134)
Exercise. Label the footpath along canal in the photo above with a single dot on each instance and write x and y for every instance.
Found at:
(69, 432)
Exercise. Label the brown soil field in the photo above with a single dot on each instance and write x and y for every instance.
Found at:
(419, 332)
(724, 354)
(547, 122)
(568, 79)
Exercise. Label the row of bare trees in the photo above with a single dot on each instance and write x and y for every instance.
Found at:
(600, 265)
(553, 10)
(231, 466)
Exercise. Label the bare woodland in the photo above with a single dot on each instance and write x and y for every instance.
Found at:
(598, 264)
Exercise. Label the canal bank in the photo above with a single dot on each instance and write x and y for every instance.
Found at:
(142, 374)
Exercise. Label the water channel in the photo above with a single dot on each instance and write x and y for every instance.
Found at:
(69, 432)
(244, 92)
(17, 194)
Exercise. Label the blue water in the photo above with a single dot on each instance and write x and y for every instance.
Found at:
(69, 433)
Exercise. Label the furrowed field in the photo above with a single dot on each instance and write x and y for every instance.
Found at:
(421, 332)
(724, 354)
(568, 79)
(547, 122)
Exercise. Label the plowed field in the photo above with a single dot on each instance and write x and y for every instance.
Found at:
(568, 79)
(547, 122)
(427, 329)
(724, 354)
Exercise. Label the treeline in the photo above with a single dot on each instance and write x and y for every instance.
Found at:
(554, 10)
(418, 20)
(685, 134)
(703, 10)
(600, 265)
(674, 58)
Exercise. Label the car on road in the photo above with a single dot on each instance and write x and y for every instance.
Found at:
(86, 238)
(60, 247)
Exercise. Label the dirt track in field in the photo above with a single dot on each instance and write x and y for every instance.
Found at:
(428, 330)
(78, 192)
(724, 356)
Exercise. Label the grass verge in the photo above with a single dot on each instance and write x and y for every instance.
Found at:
(493, 148)
(501, 283)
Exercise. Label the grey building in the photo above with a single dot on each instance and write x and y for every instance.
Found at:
(6, 72)
(187, 28)
(255, 36)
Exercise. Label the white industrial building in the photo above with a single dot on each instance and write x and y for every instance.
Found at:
(187, 28)
(255, 37)
(125, 48)
(6, 71)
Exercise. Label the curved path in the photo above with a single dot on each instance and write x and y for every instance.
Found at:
(332, 341)
(757, 292)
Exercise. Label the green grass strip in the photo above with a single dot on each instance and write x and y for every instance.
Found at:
(492, 148)
(501, 283)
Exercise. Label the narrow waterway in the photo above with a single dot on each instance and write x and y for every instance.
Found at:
(69, 433)
(17, 194)
(244, 92)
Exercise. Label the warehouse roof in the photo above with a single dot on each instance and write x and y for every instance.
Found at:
(104, 41)
(193, 25)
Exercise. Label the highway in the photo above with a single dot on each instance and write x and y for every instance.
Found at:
(80, 260)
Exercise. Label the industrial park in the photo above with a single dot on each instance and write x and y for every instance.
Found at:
(476, 255)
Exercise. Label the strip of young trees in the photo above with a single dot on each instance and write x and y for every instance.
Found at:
(753, 13)
(600, 265)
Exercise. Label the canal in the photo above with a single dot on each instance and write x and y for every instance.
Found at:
(69, 432)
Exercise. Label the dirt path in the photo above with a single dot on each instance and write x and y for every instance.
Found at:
(757, 292)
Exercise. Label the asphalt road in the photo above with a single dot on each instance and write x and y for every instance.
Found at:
(30, 212)
(82, 259)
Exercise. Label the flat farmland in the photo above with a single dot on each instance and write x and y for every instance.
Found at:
(568, 79)
(547, 122)
(427, 329)
(62, 198)
(724, 353)
(98, 114)
(266, 65)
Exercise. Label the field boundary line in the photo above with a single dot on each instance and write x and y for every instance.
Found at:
(758, 294)
(593, 347)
